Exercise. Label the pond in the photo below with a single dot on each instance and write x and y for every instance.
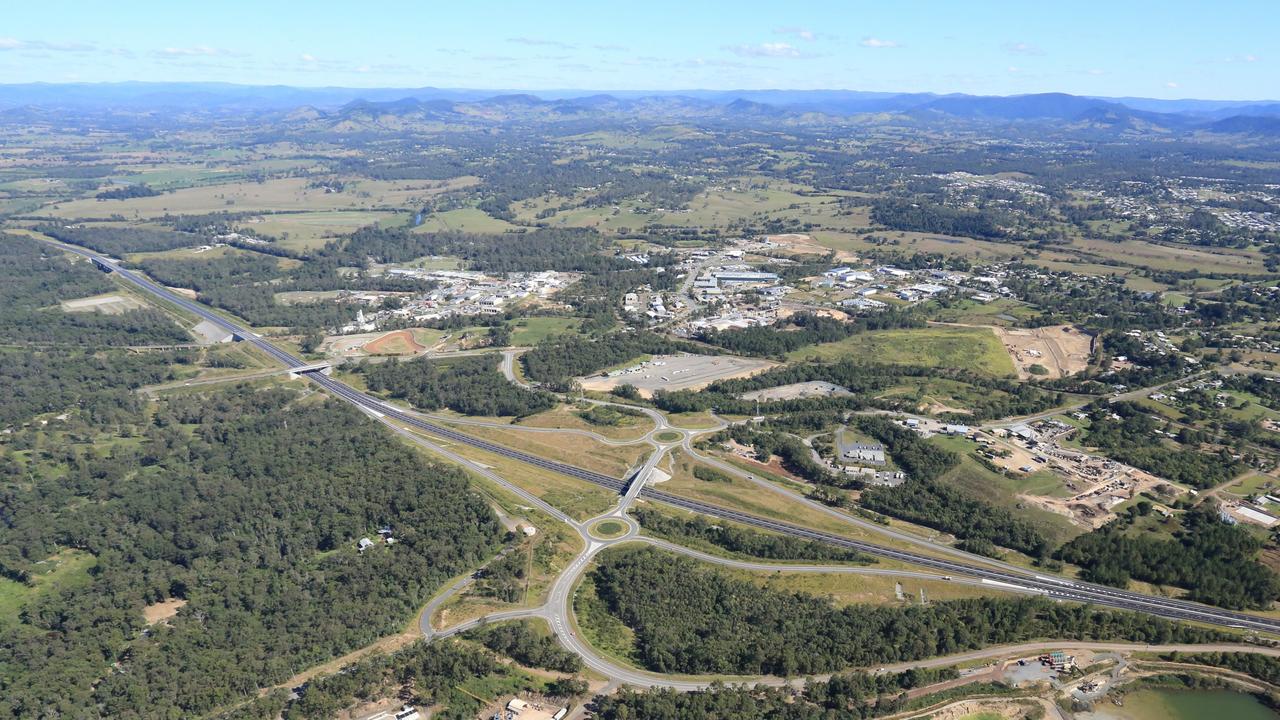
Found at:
(1183, 705)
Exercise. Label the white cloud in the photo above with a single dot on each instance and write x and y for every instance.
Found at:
(1022, 48)
(799, 32)
(1171, 85)
(12, 43)
(1095, 71)
(769, 50)
(1013, 69)
(308, 58)
(704, 63)
(874, 42)
(196, 51)
(540, 41)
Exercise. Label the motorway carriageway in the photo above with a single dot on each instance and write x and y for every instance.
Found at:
(1055, 588)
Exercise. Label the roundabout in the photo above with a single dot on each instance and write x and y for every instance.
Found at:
(611, 528)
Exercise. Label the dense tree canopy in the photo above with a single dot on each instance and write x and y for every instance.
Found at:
(246, 505)
(1214, 561)
(689, 618)
(469, 385)
(1127, 432)
(35, 278)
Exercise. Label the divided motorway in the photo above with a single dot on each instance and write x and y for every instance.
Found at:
(1056, 588)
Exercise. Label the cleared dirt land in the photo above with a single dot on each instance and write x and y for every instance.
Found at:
(399, 342)
(1060, 349)
(105, 304)
(396, 342)
(678, 372)
(796, 391)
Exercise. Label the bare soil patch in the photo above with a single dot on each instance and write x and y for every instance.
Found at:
(678, 372)
(105, 304)
(1061, 350)
(801, 244)
(398, 342)
(163, 610)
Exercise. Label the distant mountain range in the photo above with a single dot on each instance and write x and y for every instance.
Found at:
(336, 104)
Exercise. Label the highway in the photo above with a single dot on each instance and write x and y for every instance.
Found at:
(1012, 579)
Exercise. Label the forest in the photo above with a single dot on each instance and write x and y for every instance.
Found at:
(563, 249)
(35, 278)
(470, 385)
(796, 456)
(847, 696)
(521, 642)
(246, 284)
(128, 191)
(1214, 561)
(219, 505)
(1262, 667)
(426, 674)
(691, 618)
(931, 218)
(118, 241)
(97, 385)
(1134, 438)
(697, 531)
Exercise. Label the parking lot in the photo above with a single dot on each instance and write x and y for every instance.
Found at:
(676, 372)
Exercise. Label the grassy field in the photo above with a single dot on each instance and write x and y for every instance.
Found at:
(844, 589)
(996, 312)
(937, 395)
(976, 349)
(692, 420)
(533, 330)
(311, 230)
(65, 570)
(1003, 490)
(268, 196)
(566, 417)
(1253, 484)
(571, 448)
(1139, 253)
(465, 220)
(576, 498)
(748, 497)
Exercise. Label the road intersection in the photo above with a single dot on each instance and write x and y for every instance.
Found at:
(558, 611)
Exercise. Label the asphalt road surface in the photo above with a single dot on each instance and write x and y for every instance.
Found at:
(1056, 588)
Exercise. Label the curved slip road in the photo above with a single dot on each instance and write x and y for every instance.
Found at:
(1013, 578)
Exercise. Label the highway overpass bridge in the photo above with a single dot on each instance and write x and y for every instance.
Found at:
(998, 574)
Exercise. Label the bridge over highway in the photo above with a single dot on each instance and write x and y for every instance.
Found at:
(973, 566)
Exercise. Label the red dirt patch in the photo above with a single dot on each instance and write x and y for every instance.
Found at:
(398, 342)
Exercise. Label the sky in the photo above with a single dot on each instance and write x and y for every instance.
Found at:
(1227, 49)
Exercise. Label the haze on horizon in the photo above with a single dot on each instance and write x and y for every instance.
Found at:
(1177, 49)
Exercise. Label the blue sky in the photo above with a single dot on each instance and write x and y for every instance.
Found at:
(1227, 49)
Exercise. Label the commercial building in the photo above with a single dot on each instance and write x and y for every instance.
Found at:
(745, 276)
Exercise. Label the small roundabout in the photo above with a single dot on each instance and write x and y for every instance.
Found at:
(610, 528)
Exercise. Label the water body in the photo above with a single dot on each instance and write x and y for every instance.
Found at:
(1183, 705)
